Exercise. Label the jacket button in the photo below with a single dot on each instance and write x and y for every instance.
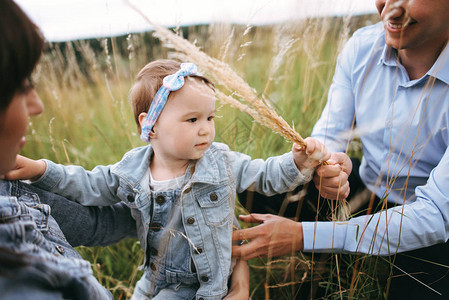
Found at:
(190, 220)
(204, 278)
(199, 250)
(160, 199)
(155, 226)
(188, 189)
(153, 251)
(60, 249)
(152, 266)
(130, 198)
(213, 197)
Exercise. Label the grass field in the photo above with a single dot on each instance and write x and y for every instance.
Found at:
(87, 121)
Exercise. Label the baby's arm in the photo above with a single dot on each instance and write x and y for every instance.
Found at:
(96, 187)
(312, 156)
(26, 168)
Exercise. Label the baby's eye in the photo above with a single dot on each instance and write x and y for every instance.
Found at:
(210, 118)
(192, 120)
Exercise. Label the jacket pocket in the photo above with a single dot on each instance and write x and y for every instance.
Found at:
(215, 203)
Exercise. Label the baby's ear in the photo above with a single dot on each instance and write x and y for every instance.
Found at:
(142, 117)
(152, 133)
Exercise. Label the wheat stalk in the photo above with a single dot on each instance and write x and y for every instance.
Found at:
(260, 109)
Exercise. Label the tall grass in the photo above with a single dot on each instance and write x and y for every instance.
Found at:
(87, 121)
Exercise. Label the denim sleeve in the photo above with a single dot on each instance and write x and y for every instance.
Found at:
(88, 225)
(14, 290)
(97, 187)
(277, 174)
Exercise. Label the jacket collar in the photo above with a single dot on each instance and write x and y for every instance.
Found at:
(133, 168)
(207, 167)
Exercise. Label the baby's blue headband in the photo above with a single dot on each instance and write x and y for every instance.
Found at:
(170, 83)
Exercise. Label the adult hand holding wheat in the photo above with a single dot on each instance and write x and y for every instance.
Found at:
(332, 178)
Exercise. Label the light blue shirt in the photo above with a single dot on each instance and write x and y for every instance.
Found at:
(403, 126)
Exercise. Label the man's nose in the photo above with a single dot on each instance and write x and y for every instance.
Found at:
(395, 9)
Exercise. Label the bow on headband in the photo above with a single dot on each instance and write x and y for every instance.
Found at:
(170, 83)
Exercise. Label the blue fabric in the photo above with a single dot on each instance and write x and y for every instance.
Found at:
(170, 83)
(403, 126)
(207, 200)
(41, 263)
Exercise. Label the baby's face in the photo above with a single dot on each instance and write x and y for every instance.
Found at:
(185, 129)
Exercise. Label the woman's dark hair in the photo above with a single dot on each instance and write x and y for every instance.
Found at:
(21, 44)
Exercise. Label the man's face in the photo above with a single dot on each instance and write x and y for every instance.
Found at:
(415, 24)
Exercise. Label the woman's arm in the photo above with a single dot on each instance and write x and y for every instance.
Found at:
(239, 282)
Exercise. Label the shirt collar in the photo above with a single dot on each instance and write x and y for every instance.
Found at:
(389, 56)
(439, 70)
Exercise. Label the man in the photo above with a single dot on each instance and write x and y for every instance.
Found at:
(391, 88)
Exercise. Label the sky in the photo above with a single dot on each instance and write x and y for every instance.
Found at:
(62, 20)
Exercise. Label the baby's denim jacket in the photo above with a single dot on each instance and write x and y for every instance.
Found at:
(207, 199)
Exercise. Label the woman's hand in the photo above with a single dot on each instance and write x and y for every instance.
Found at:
(26, 169)
(275, 236)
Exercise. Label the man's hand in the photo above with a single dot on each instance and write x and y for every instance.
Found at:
(331, 179)
(275, 236)
(26, 169)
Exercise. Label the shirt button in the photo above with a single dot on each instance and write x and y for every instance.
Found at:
(60, 249)
(213, 197)
(130, 198)
(152, 267)
(160, 199)
(199, 250)
(155, 226)
(204, 278)
(187, 190)
(190, 220)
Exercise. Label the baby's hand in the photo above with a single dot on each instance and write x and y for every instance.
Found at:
(27, 169)
(314, 154)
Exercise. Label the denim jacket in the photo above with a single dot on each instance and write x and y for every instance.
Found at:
(207, 197)
(36, 260)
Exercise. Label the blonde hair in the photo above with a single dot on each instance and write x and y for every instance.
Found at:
(148, 82)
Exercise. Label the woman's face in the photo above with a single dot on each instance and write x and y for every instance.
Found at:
(14, 124)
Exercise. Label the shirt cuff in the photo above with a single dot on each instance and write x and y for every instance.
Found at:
(324, 236)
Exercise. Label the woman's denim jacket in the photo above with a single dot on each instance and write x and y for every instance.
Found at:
(207, 198)
(36, 259)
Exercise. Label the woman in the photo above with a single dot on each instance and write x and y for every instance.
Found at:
(36, 259)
